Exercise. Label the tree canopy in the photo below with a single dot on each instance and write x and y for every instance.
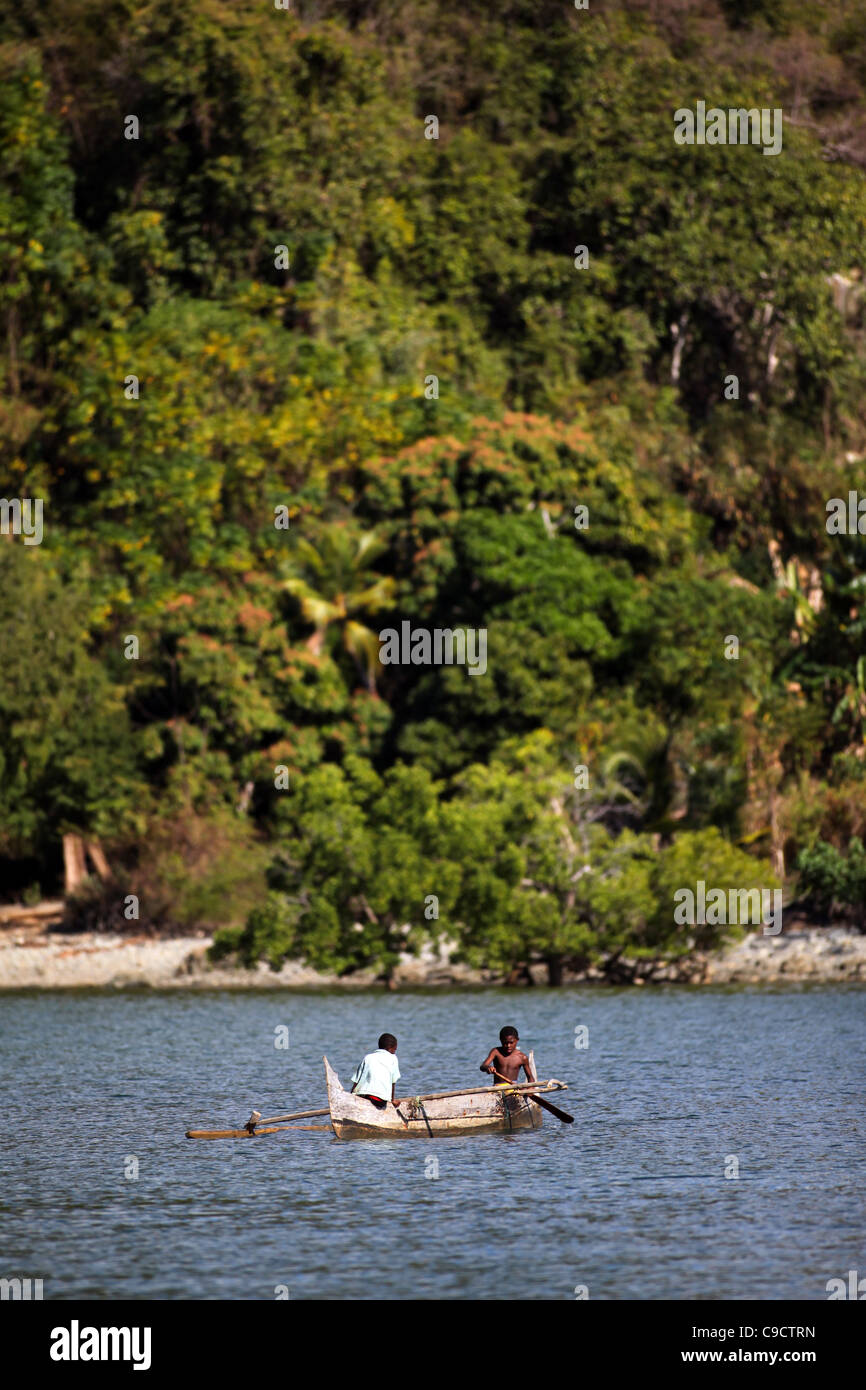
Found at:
(319, 321)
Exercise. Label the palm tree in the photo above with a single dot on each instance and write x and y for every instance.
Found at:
(852, 706)
(802, 583)
(331, 584)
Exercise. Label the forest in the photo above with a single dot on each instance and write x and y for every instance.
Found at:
(320, 320)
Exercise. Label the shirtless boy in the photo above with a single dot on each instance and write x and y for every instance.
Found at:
(507, 1059)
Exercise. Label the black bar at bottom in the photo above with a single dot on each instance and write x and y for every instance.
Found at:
(58, 1338)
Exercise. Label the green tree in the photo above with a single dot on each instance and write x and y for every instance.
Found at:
(68, 755)
(356, 858)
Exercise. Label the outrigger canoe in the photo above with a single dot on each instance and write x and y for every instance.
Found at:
(476, 1110)
(485, 1112)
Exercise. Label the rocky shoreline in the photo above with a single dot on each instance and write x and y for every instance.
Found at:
(34, 955)
(816, 955)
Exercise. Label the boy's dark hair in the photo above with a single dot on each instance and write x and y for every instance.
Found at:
(508, 1033)
(387, 1040)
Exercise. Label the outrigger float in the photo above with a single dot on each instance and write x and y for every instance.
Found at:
(476, 1110)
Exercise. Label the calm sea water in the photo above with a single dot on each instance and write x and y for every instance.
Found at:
(631, 1201)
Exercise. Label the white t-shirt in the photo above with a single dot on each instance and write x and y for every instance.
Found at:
(376, 1074)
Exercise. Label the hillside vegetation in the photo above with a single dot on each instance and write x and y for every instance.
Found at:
(286, 372)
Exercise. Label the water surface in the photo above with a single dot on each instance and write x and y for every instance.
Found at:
(631, 1201)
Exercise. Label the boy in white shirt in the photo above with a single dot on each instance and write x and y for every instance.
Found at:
(376, 1077)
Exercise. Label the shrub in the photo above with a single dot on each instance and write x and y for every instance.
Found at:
(832, 882)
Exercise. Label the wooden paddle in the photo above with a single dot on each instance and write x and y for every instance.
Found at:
(554, 1109)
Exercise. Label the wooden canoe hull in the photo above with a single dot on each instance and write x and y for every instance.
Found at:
(489, 1112)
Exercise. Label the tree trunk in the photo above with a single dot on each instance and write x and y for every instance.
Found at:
(554, 970)
(777, 848)
(98, 860)
(74, 866)
(678, 332)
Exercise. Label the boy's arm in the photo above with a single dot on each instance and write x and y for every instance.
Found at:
(528, 1069)
(488, 1064)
